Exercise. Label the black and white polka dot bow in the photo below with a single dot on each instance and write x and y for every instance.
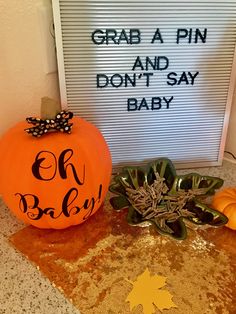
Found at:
(60, 123)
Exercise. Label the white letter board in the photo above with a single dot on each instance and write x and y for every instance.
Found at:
(156, 77)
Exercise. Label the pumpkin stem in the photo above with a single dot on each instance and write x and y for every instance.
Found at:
(52, 119)
(49, 108)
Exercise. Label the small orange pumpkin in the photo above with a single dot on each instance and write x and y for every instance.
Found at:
(57, 180)
(225, 202)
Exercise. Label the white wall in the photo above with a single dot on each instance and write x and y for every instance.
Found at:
(22, 77)
(231, 137)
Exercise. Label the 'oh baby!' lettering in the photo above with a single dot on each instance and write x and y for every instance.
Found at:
(47, 167)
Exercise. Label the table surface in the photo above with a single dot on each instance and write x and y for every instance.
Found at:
(22, 287)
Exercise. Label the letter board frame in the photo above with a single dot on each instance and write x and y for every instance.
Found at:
(191, 129)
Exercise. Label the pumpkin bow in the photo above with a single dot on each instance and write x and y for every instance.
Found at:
(41, 126)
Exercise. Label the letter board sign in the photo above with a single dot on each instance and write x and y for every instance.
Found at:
(156, 77)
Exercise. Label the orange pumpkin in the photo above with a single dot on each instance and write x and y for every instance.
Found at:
(57, 180)
(225, 202)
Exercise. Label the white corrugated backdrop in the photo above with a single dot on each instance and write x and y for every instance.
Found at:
(193, 130)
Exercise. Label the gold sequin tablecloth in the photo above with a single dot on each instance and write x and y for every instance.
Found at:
(90, 263)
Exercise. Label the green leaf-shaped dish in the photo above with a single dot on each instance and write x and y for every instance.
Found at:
(176, 187)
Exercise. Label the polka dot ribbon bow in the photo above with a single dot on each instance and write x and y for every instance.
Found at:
(60, 123)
